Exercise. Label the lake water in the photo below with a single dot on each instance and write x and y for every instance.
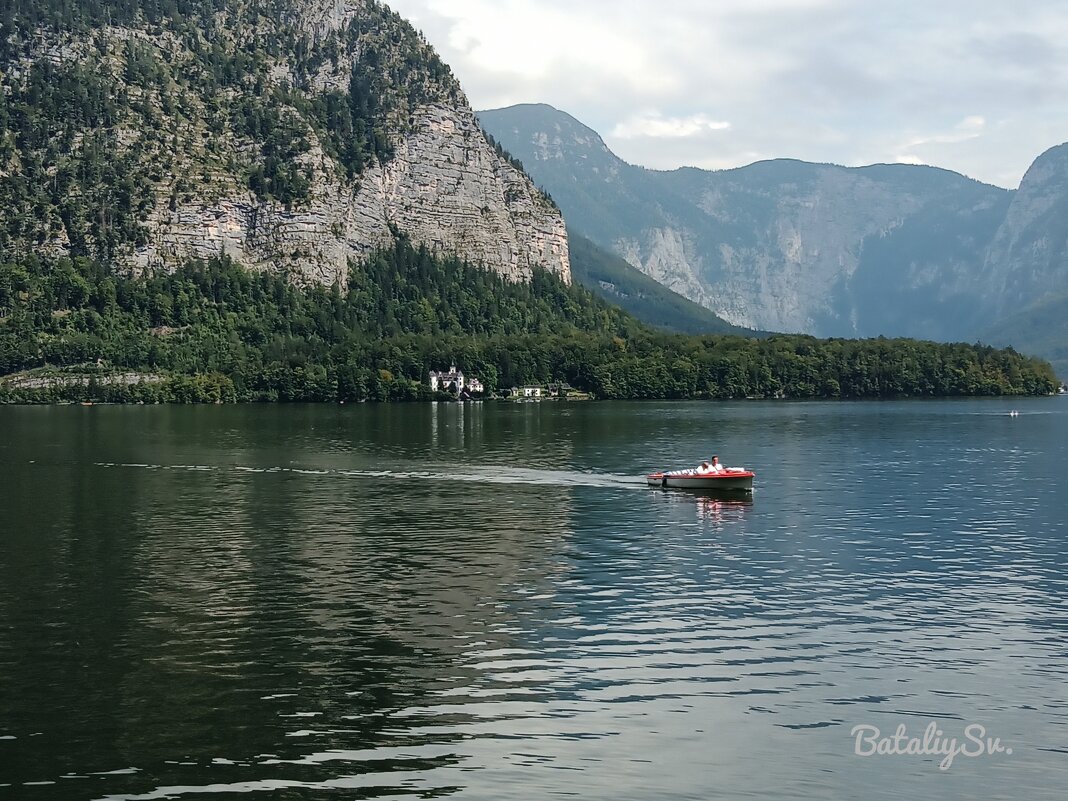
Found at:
(425, 601)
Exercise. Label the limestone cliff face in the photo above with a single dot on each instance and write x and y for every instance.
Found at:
(290, 134)
(445, 187)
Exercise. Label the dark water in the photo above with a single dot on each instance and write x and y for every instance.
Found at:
(486, 602)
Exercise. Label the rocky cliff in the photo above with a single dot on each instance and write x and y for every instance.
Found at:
(444, 187)
(290, 134)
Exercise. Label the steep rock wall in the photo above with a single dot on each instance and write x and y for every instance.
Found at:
(444, 187)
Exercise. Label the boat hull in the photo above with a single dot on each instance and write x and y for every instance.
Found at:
(737, 481)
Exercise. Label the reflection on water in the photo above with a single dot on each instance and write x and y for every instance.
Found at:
(453, 600)
(721, 511)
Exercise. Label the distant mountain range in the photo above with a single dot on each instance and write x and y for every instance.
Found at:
(895, 250)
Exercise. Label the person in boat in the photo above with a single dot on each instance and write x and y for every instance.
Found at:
(716, 467)
(704, 469)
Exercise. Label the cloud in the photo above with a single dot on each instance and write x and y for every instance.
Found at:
(656, 126)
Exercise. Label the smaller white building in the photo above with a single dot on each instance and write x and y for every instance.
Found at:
(530, 392)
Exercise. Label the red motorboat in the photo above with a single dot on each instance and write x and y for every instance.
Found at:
(729, 479)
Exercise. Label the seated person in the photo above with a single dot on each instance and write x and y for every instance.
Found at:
(704, 469)
(716, 466)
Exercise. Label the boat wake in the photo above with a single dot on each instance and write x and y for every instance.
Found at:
(508, 475)
(483, 474)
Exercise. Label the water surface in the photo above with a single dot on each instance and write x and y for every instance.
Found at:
(471, 601)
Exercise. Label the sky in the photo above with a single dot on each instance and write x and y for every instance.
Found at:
(974, 86)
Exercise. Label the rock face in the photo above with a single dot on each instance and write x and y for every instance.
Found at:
(292, 134)
(780, 245)
(1028, 259)
(445, 187)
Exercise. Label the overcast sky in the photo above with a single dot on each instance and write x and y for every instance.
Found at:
(975, 86)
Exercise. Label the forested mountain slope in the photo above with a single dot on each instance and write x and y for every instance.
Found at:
(289, 134)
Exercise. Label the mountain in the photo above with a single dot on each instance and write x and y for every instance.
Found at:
(614, 279)
(786, 245)
(289, 134)
(1028, 259)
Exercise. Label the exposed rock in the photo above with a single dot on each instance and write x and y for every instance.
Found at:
(60, 380)
(445, 187)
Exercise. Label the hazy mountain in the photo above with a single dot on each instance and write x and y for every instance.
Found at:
(291, 134)
(792, 246)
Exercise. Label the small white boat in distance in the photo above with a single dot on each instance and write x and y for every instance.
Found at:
(731, 479)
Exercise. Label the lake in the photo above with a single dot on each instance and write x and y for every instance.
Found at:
(481, 601)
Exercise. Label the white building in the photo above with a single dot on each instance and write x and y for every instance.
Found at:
(454, 382)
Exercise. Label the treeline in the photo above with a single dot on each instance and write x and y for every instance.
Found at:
(218, 332)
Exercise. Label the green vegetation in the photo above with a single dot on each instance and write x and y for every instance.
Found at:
(217, 332)
(615, 280)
